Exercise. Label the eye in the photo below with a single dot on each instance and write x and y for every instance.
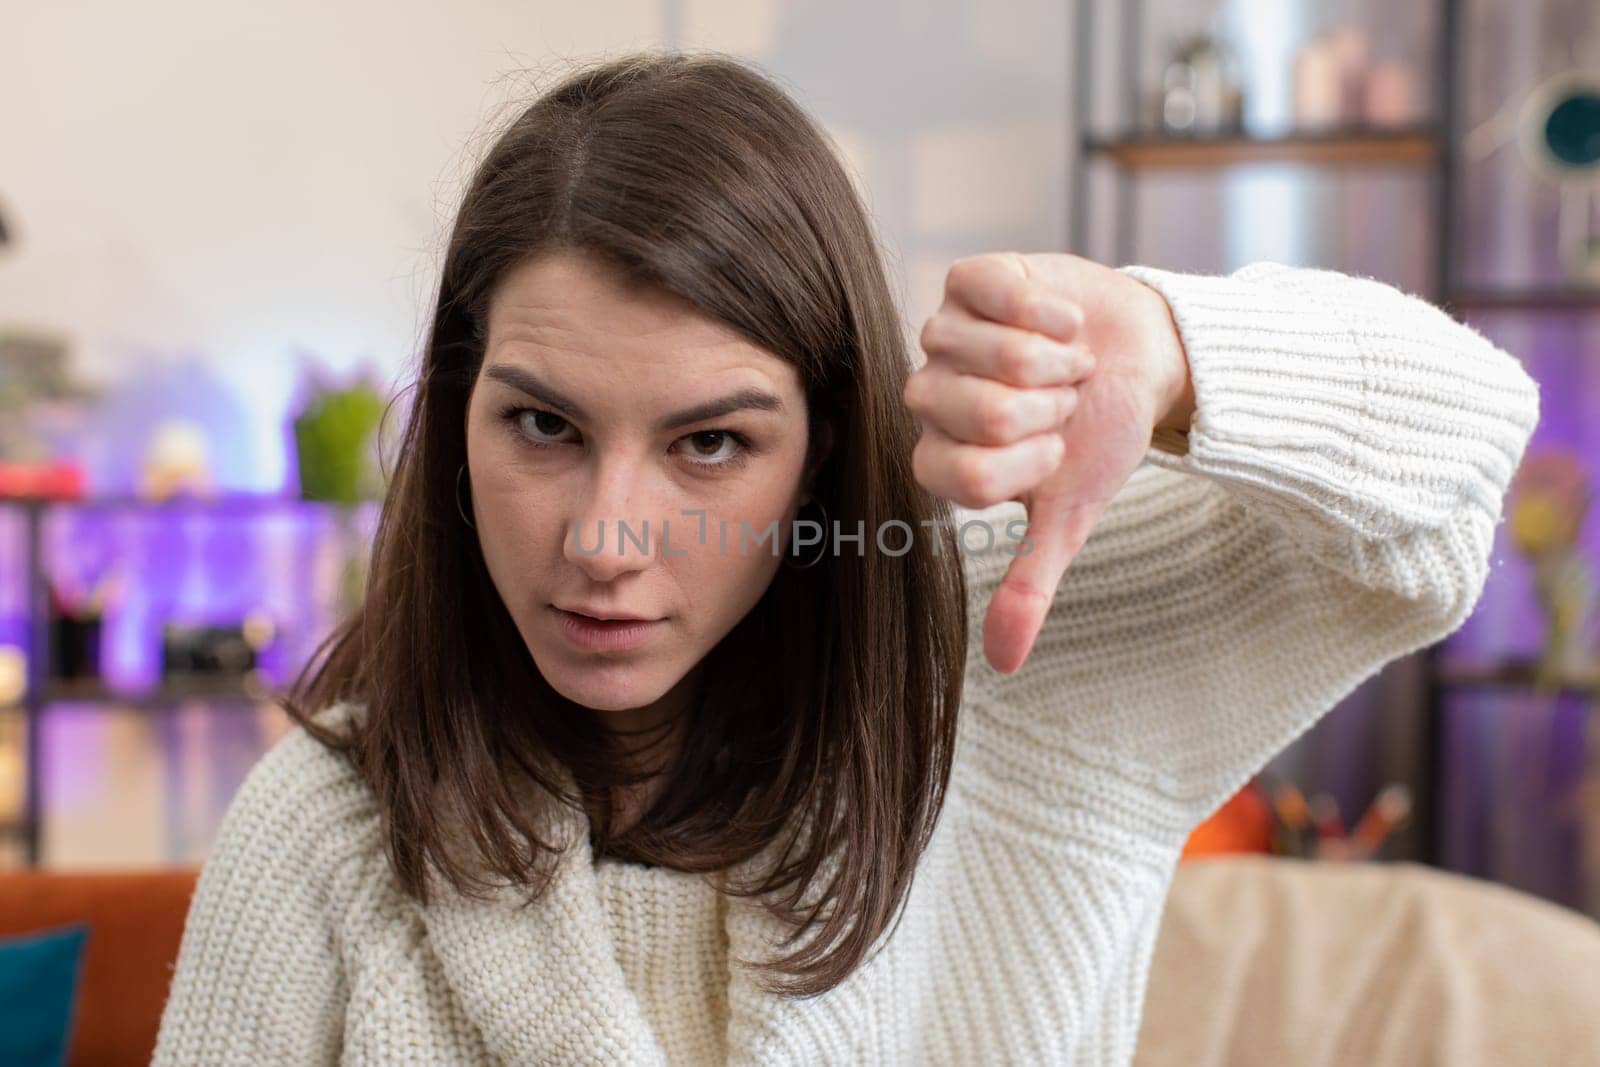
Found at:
(715, 448)
(707, 449)
(541, 427)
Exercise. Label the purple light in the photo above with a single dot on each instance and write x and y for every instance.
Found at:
(190, 562)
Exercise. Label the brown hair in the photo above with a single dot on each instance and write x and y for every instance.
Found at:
(836, 696)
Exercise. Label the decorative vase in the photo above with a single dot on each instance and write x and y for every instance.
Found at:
(1548, 500)
(1564, 584)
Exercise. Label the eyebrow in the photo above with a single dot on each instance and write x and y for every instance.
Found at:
(740, 400)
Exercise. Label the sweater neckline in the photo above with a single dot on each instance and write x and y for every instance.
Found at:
(558, 984)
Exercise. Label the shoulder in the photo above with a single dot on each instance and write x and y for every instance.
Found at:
(302, 808)
(281, 901)
(300, 775)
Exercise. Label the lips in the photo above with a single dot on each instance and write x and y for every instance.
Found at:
(588, 633)
(604, 615)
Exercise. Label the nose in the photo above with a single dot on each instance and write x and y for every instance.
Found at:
(615, 525)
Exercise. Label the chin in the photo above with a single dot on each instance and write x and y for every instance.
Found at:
(606, 686)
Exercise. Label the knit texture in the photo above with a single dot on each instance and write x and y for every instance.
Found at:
(1332, 507)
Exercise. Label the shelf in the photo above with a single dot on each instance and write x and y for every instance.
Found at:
(235, 691)
(1529, 299)
(1346, 147)
(220, 502)
(1511, 674)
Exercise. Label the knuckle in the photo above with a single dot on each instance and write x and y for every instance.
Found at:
(912, 392)
(921, 462)
(996, 416)
(974, 480)
(1017, 357)
(934, 333)
(1017, 263)
(962, 273)
(1020, 297)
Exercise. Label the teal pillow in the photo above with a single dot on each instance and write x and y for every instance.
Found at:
(38, 979)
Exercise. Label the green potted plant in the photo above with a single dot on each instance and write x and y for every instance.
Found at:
(336, 438)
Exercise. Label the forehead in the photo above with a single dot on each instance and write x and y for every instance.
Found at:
(573, 304)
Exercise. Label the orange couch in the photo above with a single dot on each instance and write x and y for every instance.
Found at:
(136, 923)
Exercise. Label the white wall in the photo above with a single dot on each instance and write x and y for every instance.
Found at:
(207, 195)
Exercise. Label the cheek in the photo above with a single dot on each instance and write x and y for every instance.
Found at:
(734, 560)
(517, 517)
(519, 522)
(516, 513)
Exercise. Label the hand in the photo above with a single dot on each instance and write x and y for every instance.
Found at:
(1046, 375)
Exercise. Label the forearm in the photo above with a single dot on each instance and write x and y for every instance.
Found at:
(1342, 405)
(1346, 461)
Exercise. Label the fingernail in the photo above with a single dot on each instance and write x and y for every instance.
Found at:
(1074, 362)
(1066, 405)
(1063, 360)
(1058, 317)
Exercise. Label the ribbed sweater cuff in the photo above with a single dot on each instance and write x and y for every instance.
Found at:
(1276, 379)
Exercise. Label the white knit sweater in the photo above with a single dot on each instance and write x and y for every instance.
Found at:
(1335, 508)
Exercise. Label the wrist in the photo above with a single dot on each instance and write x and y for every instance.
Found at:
(1176, 403)
(1180, 411)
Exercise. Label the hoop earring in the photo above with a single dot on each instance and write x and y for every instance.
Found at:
(459, 510)
(788, 557)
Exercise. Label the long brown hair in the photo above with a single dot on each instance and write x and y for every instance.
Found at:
(836, 696)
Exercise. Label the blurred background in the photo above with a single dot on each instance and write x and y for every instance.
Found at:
(222, 223)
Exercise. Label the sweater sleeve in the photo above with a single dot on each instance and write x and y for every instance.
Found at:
(258, 977)
(1332, 508)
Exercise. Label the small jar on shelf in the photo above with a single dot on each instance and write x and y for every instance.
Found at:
(1201, 93)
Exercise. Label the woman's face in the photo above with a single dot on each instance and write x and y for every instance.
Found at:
(599, 405)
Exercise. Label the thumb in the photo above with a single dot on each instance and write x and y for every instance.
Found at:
(1057, 529)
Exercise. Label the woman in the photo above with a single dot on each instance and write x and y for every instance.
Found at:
(623, 763)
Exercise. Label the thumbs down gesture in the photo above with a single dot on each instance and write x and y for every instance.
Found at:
(1046, 376)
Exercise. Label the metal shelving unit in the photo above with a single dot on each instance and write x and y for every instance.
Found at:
(1432, 145)
(43, 690)
(1352, 146)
